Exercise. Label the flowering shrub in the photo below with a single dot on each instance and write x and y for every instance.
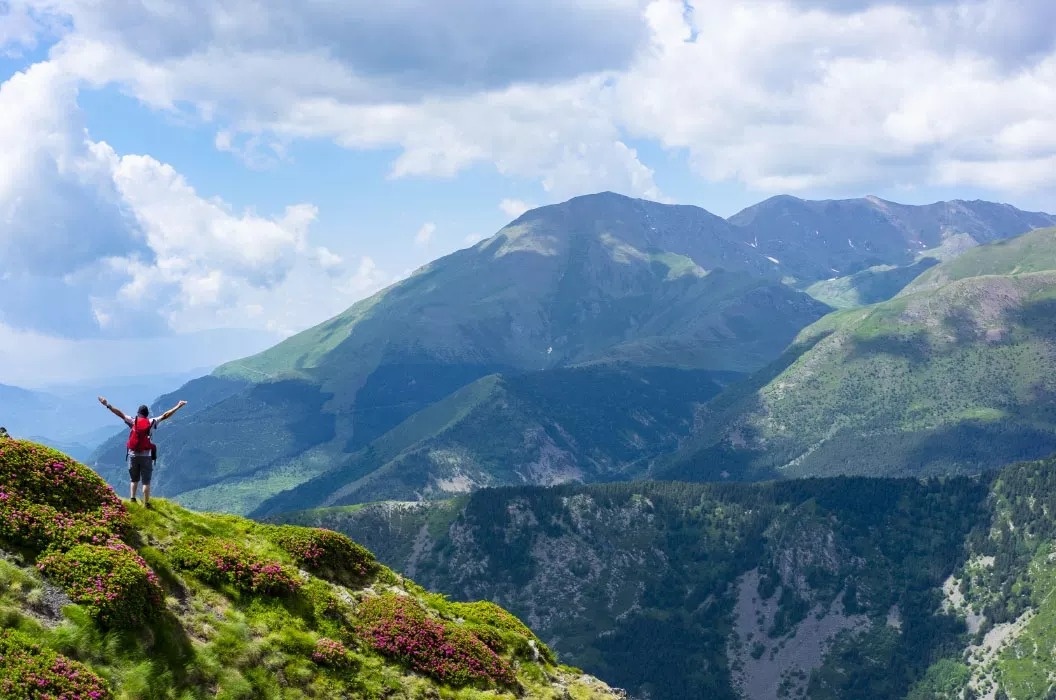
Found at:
(43, 475)
(111, 580)
(329, 652)
(400, 628)
(40, 526)
(51, 504)
(222, 561)
(49, 501)
(501, 630)
(326, 553)
(28, 672)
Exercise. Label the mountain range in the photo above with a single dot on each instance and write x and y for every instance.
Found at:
(498, 363)
(63, 415)
(522, 422)
(955, 374)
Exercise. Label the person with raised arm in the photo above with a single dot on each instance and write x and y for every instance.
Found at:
(141, 451)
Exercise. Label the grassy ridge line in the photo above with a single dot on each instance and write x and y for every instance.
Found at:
(249, 610)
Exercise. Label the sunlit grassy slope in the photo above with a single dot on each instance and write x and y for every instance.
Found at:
(105, 597)
(956, 374)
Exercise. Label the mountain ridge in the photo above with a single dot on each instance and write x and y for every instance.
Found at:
(596, 280)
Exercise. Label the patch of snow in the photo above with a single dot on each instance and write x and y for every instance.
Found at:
(773, 260)
(850, 243)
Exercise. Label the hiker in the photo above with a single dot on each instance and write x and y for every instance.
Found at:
(141, 451)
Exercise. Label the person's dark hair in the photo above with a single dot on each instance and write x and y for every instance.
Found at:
(144, 411)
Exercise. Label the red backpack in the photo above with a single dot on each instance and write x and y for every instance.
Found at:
(139, 437)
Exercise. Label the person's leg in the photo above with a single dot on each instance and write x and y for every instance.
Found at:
(133, 475)
(147, 470)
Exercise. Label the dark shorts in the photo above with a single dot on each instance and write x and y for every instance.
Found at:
(141, 469)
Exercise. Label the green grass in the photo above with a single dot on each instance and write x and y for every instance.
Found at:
(217, 637)
(869, 286)
(1031, 252)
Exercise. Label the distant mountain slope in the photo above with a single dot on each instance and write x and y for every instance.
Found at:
(720, 587)
(956, 374)
(584, 424)
(68, 417)
(597, 279)
(818, 240)
(886, 589)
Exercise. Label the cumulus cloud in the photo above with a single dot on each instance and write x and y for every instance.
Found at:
(425, 234)
(514, 207)
(782, 98)
(781, 94)
(94, 242)
(400, 48)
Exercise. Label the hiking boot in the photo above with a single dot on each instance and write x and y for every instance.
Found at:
(134, 500)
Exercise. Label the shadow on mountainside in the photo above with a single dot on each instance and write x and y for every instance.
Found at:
(714, 455)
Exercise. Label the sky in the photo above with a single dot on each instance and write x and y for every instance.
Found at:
(184, 182)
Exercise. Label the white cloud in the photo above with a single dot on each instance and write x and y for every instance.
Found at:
(818, 95)
(366, 280)
(782, 95)
(514, 207)
(425, 234)
(123, 244)
(786, 99)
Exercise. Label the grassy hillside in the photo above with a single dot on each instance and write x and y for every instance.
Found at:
(956, 377)
(599, 423)
(820, 588)
(104, 599)
(1031, 252)
(869, 286)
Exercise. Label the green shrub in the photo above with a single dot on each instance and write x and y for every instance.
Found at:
(221, 561)
(501, 630)
(28, 672)
(326, 553)
(112, 581)
(43, 475)
(400, 628)
(329, 652)
(48, 501)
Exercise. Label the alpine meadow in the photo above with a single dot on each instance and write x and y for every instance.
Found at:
(556, 350)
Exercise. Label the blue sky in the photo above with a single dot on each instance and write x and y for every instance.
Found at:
(188, 181)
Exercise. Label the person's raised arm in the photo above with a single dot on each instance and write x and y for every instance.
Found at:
(113, 409)
(168, 413)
